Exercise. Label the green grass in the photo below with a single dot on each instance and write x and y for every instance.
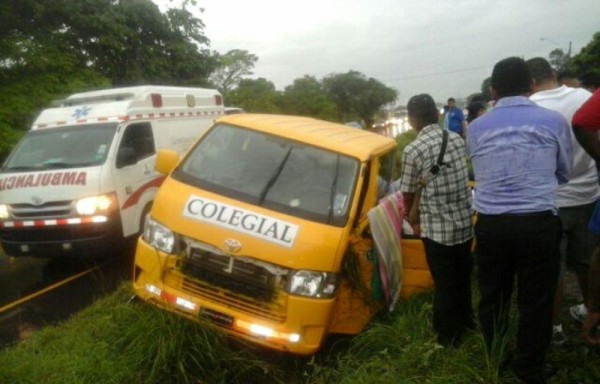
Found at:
(118, 341)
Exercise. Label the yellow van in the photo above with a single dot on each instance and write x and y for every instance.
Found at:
(261, 229)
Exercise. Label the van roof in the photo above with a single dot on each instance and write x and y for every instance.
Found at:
(127, 103)
(337, 137)
(139, 93)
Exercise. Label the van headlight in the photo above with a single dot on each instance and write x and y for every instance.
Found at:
(3, 211)
(158, 236)
(311, 284)
(95, 204)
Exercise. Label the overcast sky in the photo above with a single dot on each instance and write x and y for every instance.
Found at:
(444, 47)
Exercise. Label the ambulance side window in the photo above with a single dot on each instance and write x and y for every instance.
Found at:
(140, 139)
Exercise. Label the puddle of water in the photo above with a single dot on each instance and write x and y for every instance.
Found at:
(17, 275)
(20, 277)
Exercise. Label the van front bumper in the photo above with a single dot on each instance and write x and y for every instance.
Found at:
(77, 237)
(301, 331)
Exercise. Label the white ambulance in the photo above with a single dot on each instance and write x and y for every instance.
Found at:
(82, 179)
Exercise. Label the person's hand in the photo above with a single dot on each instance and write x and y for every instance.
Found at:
(588, 329)
(416, 228)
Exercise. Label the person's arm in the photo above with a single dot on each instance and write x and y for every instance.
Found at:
(413, 220)
(589, 141)
(592, 320)
(409, 174)
(409, 199)
(565, 153)
(586, 124)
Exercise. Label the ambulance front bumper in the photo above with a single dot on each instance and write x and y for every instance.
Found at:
(77, 237)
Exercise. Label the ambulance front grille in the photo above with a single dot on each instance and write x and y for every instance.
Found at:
(55, 209)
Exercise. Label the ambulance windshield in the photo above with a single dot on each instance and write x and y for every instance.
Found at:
(272, 172)
(64, 147)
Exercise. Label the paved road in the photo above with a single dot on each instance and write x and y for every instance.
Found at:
(39, 292)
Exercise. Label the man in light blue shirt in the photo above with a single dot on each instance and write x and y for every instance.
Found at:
(520, 153)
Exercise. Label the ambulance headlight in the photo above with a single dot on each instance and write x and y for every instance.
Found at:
(3, 211)
(311, 284)
(95, 204)
(158, 236)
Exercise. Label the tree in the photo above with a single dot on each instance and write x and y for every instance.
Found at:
(257, 96)
(129, 41)
(52, 48)
(358, 97)
(559, 60)
(231, 68)
(35, 67)
(306, 97)
(588, 59)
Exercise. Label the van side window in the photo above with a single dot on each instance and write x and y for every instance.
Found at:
(139, 137)
(388, 168)
(363, 192)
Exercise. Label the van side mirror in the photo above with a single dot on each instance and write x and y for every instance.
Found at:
(126, 156)
(166, 160)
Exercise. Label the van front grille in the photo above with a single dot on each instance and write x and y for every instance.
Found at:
(272, 311)
(233, 282)
(55, 209)
(230, 274)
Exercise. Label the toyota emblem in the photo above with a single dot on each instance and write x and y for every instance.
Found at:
(37, 200)
(232, 245)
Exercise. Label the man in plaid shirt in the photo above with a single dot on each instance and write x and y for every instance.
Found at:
(444, 216)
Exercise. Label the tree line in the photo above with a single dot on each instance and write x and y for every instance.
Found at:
(583, 65)
(50, 49)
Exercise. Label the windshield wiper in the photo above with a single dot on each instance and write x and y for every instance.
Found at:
(20, 168)
(58, 164)
(274, 176)
(333, 189)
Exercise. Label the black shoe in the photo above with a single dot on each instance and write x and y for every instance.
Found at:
(547, 372)
(471, 325)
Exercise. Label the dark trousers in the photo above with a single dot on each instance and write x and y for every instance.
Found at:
(451, 268)
(525, 247)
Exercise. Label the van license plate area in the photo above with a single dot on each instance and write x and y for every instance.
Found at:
(216, 317)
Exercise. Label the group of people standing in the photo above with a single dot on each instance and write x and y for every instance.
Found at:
(536, 190)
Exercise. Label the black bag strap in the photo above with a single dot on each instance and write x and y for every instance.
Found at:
(440, 160)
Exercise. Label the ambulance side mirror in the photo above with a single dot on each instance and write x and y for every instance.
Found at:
(166, 160)
(126, 156)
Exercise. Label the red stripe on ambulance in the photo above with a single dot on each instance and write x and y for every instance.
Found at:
(135, 196)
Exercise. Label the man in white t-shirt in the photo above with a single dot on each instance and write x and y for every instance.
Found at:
(577, 198)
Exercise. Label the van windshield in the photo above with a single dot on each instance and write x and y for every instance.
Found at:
(64, 147)
(273, 172)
